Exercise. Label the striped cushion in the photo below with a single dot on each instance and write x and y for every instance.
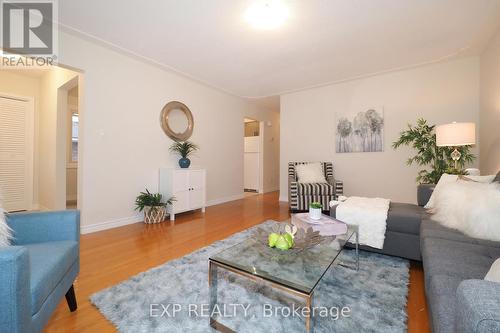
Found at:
(315, 189)
(302, 202)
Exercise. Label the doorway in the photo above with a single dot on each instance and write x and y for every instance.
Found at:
(39, 120)
(253, 156)
(73, 121)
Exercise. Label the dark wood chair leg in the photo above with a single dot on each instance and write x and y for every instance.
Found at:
(71, 299)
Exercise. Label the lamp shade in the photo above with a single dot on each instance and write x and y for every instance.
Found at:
(456, 134)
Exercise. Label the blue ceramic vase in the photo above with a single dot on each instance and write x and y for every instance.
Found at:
(184, 162)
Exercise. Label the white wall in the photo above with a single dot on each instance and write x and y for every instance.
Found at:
(272, 154)
(440, 93)
(490, 107)
(122, 144)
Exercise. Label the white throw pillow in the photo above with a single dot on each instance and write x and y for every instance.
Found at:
(470, 207)
(446, 178)
(494, 272)
(310, 173)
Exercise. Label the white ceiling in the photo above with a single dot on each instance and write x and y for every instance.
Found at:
(323, 41)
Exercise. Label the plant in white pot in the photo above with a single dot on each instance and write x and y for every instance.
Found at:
(153, 206)
(315, 210)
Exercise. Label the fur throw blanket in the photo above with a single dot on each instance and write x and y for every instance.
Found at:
(369, 214)
(470, 207)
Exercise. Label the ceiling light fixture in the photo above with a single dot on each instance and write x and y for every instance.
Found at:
(266, 15)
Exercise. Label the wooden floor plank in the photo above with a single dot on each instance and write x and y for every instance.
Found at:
(111, 256)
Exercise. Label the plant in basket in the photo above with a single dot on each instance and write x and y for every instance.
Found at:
(153, 206)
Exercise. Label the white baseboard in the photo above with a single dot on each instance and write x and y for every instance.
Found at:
(225, 199)
(272, 189)
(283, 198)
(87, 229)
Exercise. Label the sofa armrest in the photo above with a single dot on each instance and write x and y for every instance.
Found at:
(339, 188)
(330, 180)
(292, 192)
(39, 227)
(15, 304)
(478, 307)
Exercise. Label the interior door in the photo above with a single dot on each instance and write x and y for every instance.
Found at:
(16, 153)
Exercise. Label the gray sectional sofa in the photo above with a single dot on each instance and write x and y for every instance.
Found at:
(458, 298)
(402, 235)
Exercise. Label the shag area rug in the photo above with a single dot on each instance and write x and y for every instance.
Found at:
(173, 297)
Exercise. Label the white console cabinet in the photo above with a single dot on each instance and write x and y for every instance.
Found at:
(188, 186)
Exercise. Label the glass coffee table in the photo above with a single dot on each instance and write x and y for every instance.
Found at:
(295, 272)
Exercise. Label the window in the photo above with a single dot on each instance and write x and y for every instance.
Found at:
(74, 137)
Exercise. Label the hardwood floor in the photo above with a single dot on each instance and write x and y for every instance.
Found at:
(111, 256)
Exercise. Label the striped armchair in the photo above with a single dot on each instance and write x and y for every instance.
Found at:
(301, 194)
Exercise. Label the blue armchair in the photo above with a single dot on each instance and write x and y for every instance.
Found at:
(38, 269)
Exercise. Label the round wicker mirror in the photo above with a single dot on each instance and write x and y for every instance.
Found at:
(177, 121)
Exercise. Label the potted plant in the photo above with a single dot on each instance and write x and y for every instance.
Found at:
(184, 149)
(315, 210)
(422, 138)
(153, 206)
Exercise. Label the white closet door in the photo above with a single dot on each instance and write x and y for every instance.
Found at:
(181, 202)
(197, 179)
(196, 198)
(181, 190)
(16, 153)
(181, 181)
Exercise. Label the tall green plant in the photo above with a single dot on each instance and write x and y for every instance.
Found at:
(422, 138)
(184, 149)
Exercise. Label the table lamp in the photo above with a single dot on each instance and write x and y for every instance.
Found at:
(454, 135)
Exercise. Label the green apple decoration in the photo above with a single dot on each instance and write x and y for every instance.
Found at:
(282, 243)
(289, 239)
(272, 239)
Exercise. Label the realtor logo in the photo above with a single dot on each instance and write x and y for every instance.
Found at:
(28, 27)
